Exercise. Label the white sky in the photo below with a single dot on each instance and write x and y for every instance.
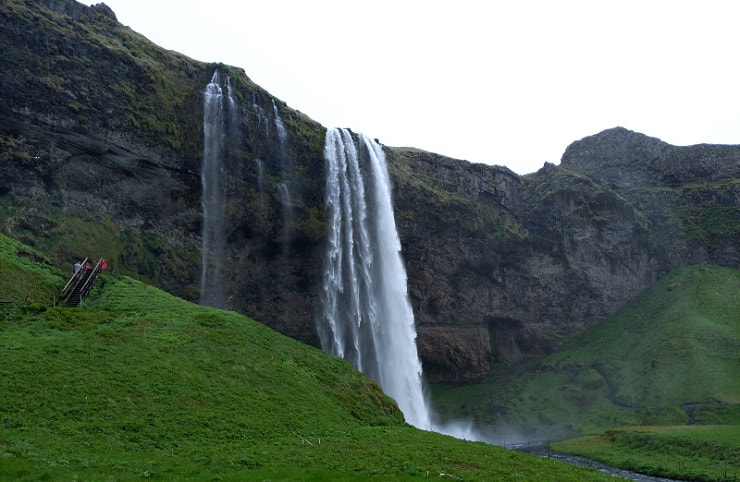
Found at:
(500, 82)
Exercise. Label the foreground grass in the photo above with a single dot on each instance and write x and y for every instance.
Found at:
(139, 384)
(706, 453)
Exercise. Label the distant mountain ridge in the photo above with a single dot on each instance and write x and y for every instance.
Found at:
(624, 158)
(101, 139)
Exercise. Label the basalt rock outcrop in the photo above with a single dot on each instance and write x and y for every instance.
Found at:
(101, 140)
(689, 194)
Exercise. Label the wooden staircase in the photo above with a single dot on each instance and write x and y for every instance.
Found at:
(81, 282)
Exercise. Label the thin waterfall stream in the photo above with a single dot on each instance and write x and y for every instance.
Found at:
(216, 107)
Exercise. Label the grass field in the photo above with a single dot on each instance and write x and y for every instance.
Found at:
(139, 384)
(696, 452)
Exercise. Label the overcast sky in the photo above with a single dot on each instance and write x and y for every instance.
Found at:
(500, 82)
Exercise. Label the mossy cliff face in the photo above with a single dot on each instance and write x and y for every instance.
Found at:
(101, 142)
(100, 155)
(502, 266)
(689, 194)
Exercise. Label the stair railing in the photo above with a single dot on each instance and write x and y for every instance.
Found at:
(85, 289)
(69, 288)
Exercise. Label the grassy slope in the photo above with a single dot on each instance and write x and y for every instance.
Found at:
(676, 344)
(141, 384)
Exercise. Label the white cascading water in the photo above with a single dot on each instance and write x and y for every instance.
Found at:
(281, 133)
(262, 123)
(285, 166)
(287, 205)
(260, 174)
(213, 195)
(231, 103)
(367, 318)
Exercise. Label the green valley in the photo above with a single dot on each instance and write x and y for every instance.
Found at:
(667, 364)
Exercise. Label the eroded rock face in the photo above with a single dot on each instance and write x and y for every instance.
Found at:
(562, 246)
(689, 194)
(100, 151)
(625, 159)
(515, 273)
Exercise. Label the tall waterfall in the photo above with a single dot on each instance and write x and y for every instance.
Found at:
(367, 318)
(213, 195)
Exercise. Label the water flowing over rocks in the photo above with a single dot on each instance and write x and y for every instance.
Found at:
(101, 133)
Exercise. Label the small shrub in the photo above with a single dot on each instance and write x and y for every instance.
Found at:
(209, 319)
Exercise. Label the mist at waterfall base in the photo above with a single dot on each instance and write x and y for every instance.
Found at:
(366, 315)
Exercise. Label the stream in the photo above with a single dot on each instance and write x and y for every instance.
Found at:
(541, 450)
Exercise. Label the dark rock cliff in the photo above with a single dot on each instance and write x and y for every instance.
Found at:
(101, 140)
(622, 159)
(689, 194)
(502, 266)
(101, 148)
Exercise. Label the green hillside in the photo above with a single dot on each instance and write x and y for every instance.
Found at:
(669, 352)
(139, 384)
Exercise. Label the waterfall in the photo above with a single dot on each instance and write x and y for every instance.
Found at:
(287, 205)
(366, 315)
(260, 174)
(281, 133)
(261, 118)
(213, 194)
(286, 167)
(231, 102)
